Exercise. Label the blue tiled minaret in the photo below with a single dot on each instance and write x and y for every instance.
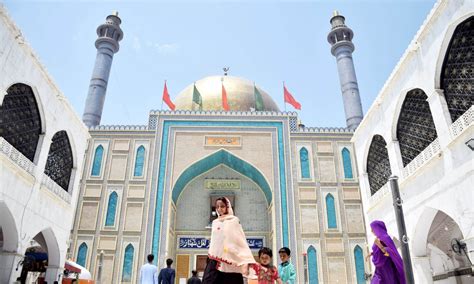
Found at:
(107, 45)
(340, 38)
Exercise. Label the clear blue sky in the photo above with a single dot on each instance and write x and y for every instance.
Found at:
(184, 41)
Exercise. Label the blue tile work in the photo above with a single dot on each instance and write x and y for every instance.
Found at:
(111, 206)
(162, 169)
(359, 265)
(128, 263)
(331, 211)
(82, 255)
(96, 165)
(217, 158)
(139, 161)
(312, 265)
(304, 162)
(346, 161)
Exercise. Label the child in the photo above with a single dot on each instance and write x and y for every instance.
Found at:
(228, 246)
(266, 272)
(286, 269)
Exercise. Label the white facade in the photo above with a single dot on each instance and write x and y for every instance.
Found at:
(34, 209)
(437, 185)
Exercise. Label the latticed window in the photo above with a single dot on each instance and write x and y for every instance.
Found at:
(346, 162)
(59, 163)
(359, 265)
(82, 255)
(457, 75)
(128, 263)
(304, 163)
(331, 211)
(415, 127)
(111, 209)
(312, 266)
(378, 164)
(139, 161)
(20, 122)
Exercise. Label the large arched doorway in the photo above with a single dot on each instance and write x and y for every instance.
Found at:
(41, 259)
(192, 210)
(438, 238)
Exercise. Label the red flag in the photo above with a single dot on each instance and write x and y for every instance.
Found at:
(167, 99)
(289, 99)
(225, 104)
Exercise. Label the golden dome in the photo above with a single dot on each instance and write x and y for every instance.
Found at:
(240, 95)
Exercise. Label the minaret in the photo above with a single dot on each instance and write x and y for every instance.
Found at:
(107, 45)
(340, 38)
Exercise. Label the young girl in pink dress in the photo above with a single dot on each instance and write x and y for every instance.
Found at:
(266, 272)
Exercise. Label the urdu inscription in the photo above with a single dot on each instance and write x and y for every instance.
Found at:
(222, 184)
(222, 141)
(203, 243)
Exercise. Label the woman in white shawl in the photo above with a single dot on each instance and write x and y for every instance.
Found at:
(228, 247)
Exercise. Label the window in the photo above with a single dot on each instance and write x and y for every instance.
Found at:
(378, 165)
(111, 209)
(59, 163)
(128, 263)
(304, 162)
(346, 162)
(331, 211)
(415, 126)
(359, 265)
(97, 162)
(312, 266)
(82, 255)
(457, 73)
(139, 161)
(20, 122)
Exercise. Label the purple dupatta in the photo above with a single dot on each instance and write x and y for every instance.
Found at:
(388, 269)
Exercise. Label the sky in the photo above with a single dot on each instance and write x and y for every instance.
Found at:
(183, 41)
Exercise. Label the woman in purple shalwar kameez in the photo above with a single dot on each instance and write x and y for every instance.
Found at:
(387, 260)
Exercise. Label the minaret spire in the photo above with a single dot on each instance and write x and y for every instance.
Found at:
(107, 44)
(340, 38)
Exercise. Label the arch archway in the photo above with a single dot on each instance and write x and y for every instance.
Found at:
(21, 120)
(60, 163)
(415, 125)
(226, 158)
(435, 233)
(457, 75)
(378, 164)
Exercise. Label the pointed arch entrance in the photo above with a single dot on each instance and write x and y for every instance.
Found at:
(193, 197)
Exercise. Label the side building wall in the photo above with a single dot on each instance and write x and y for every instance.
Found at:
(327, 238)
(111, 216)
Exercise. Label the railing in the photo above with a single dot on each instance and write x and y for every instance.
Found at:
(16, 157)
(462, 123)
(424, 156)
(52, 186)
(23, 162)
(379, 195)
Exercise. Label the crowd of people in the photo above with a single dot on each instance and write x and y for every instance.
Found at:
(230, 259)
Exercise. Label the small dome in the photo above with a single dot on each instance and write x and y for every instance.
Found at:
(240, 95)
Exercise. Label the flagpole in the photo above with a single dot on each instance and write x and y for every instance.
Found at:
(284, 103)
(162, 99)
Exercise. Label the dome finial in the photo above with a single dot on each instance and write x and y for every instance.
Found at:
(226, 69)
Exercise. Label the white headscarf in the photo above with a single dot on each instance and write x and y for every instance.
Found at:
(228, 243)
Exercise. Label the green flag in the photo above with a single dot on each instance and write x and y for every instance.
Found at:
(258, 99)
(197, 97)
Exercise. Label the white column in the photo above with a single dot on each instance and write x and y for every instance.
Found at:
(395, 158)
(8, 264)
(441, 116)
(53, 272)
(422, 269)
